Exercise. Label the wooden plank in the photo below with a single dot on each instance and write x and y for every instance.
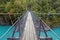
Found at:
(12, 38)
(46, 38)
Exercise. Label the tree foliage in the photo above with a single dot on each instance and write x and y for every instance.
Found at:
(40, 6)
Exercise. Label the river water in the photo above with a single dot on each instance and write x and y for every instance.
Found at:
(3, 29)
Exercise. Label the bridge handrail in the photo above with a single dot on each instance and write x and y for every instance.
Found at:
(51, 29)
(9, 29)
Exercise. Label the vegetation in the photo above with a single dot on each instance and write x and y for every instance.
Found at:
(40, 7)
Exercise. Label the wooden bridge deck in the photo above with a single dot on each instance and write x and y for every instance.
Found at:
(29, 30)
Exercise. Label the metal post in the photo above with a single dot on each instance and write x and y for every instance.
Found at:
(43, 28)
(14, 32)
(19, 28)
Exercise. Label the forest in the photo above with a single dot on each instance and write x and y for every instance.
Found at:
(49, 10)
(40, 6)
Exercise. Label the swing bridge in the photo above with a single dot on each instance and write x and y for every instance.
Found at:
(29, 27)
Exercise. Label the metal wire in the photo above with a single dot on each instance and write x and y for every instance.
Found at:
(9, 29)
(51, 29)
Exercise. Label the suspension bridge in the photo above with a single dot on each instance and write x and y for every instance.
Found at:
(29, 28)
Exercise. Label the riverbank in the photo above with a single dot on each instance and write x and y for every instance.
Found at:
(8, 19)
(52, 20)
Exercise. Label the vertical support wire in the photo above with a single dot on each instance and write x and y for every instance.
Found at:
(15, 27)
(51, 30)
(43, 27)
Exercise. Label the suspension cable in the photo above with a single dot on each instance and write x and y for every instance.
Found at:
(43, 27)
(51, 29)
(9, 29)
(14, 30)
